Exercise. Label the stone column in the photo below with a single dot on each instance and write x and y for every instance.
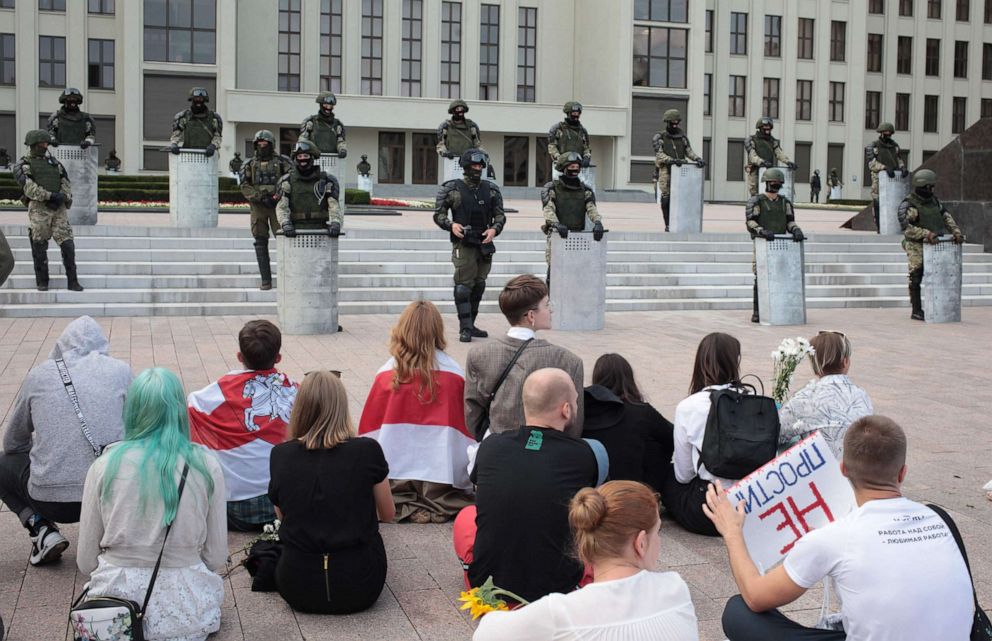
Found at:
(308, 283)
(891, 192)
(942, 281)
(81, 166)
(781, 280)
(331, 164)
(788, 187)
(578, 282)
(193, 189)
(687, 199)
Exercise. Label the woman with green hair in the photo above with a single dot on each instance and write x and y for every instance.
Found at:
(130, 496)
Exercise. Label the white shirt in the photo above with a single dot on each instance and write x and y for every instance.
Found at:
(828, 404)
(690, 425)
(521, 333)
(897, 571)
(649, 606)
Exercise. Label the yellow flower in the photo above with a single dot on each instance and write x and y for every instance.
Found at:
(485, 598)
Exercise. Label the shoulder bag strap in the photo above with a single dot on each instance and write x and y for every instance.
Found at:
(168, 528)
(74, 399)
(506, 372)
(949, 522)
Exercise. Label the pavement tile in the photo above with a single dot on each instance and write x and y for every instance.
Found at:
(431, 613)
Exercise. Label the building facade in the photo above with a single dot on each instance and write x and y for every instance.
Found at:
(827, 72)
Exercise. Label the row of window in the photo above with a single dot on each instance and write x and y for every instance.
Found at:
(904, 56)
(962, 9)
(94, 6)
(51, 62)
(773, 36)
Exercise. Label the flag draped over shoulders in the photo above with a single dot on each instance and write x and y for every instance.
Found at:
(423, 440)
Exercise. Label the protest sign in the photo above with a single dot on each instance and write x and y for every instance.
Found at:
(798, 491)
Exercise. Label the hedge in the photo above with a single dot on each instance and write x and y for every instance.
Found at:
(357, 197)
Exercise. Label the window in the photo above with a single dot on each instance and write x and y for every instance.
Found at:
(962, 9)
(933, 9)
(424, 158)
(773, 36)
(835, 157)
(874, 52)
(659, 57)
(960, 58)
(489, 52)
(411, 55)
(451, 49)
(330, 45)
(735, 108)
(707, 147)
(838, 40)
(930, 104)
(543, 170)
(289, 45)
(527, 54)
(986, 107)
(51, 5)
(933, 57)
(738, 33)
(100, 69)
(958, 114)
(805, 50)
(873, 109)
(902, 111)
(769, 97)
(7, 62)
(180, 31)
(988, 12)
(515, 166)
(708, 94)
(836, 105)
(876, 6)
(906, 8)
(51, 61)
(804, 158)
(372, 51)
(986, 61)
(709, 30)
(392, 149)
(735, 160)
(6, 4)
(662, 10)
(928, 154)
(98, 6)
(904, 55)
(804, 100)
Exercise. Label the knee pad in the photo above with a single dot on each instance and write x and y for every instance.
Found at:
(462, 292)
(261, 241)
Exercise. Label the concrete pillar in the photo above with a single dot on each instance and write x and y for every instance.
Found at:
(891, 192)
(781, 280)
(578, 282)
(365, 183)
(788, 187)
(193, 198)
(942, 281)
(81, 166)
(308, 283)
(687, 199)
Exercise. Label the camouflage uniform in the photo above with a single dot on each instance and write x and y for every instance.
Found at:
(569, 205)
(566, 136)
(762, 215)
(309, 202)
(669, 148)
(762, 150)
(455, 138)
(325, 131)
(197, 131)
(883, 155)
(259, 177)
(236, 163)
(71, 127)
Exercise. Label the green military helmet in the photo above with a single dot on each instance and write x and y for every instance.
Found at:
(566, 159)
(198, 92)
(672, 115)
(833, 170)
(36, 136)
(571, 106)
(305, 146)
(457, 103)
(924, 177)
(70, 92)
(764, 121)
(886, 127)
(264, 134)
(326, 97)
(774, 175)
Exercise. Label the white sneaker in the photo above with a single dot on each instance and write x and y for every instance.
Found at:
(47, 546)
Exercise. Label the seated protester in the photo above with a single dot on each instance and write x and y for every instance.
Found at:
(517, 532)
(524, 301)
(241, 418)
(617, 533)
(416, 413)
(830, 402)
(132, 494)
(683, 492)
(637, 438)
(893, 584)
(46, 448)
(330, 489)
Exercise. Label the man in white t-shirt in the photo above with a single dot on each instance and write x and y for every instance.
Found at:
(897, 571)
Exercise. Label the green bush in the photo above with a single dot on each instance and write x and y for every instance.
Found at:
(357, 197)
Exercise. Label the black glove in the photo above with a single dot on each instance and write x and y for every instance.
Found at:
(586, 161)
(174, 148)
(85, 144)
(597, 231)
(449, 155)
(288, 230)
(767, 235)
(890, 172)
(209, 151)
(766, 164)
(678, 163)
(342, 153)
(905, 172)
(700, 163)
(562, 230)
(269, 200)
(797, 235)
(57, 199)
(334, 229)
(792, 166)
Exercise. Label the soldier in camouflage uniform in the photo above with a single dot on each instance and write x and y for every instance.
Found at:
(236, 163)
(923, 218)
(197, 127)
(883, 155)
(671, 147)
(769, 214)
(47, 194)
(457, 134)
(259, 177)
(477, 217)
(308, 196)
(324, 129)
(69, 125)
(763, 150)
(569, 135)
(567, 202)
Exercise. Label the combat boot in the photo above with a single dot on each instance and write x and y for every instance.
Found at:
(264, 266)
(39, 254)
(68, 248)
(477, 291)
(874, 209)
(915, 298)
(754, 305)
(666, 202)
(463, 307)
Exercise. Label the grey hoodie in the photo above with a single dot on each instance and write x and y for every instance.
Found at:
(44, 423)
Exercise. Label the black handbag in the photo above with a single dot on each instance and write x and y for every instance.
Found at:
(109, 617)
(483, 424)
(981, 627)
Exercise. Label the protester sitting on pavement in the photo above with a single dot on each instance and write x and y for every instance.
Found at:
(524, 301)
(898, 572)
(637, 438)
(517, 532)
(241, 417)
(416, 413)
(50, 442)
(133, 492)
(717, 367)
(830, 402)
(330, 489)
(617, 534)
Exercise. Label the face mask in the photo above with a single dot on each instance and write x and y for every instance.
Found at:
(773, 187)
(926, 191)
(766, 131)
(304, 164)
(572, 172)
(199, 106)
(886, 136)
(72, 106)
(673, 127)
(473, 172)
(458, 115)
(264, 149)
(327, 110)
(573, 117)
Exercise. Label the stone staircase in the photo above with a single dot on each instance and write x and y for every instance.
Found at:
(159, 271)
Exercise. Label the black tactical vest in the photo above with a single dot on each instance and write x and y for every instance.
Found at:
(673, 146)
(886, 154)
(45, 172)
(570, 205)
(199, 131)
(570, 139)
(72, 129)
(475, 209)
(931, 217)
(773, 216)
(764, 147)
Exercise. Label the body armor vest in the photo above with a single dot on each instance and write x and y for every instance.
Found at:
(71, 130)
(673, 146)
(570, 205)
(46, 173)
(304, 205)
(474, 209)
(886, 154)
(266, 173)
(325, 134)
(459, 138)
(199, 131)
(773, 216)
(931, 217)
(570, 139)
(764, 147)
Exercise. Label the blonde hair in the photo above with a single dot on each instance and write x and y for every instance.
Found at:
(607, 518)
(831, 348)
(413, 342)
(320, 417)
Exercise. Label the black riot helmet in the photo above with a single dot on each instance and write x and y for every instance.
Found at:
(71, 98)
(472, 162)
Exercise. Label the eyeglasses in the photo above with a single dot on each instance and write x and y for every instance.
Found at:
(336, 372)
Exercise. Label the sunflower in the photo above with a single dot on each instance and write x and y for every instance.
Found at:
(485, 598)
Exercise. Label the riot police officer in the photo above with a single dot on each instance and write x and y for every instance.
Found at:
(324, 129)
(69, 125)
(236, 163)
(457, 134)
(569, 135)
(883, 155)
(763, 150)
(477, 217)
(197, 127)
(308, 196)
(671, 147)
(259, 177)
(567, 203)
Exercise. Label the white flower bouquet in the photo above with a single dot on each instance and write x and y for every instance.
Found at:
(787, 357)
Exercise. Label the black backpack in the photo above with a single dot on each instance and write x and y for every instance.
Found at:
(741, 432)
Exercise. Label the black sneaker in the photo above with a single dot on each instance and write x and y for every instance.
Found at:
(917, 316)
(755, 318)
(47, 545)
(478, 333)
(465, 335)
